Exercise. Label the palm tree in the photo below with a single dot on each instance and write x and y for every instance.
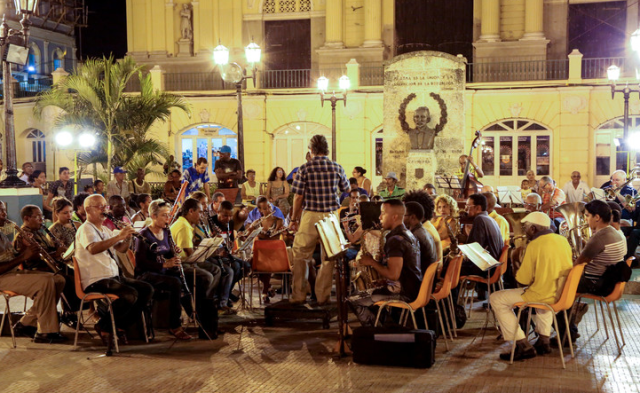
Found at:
(94, 97)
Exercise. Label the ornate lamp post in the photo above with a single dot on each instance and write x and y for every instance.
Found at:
(234, 73)
(83, 142)
(14, 51)
(323, 86)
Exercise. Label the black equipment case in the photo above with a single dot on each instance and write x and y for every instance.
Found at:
(394, 347)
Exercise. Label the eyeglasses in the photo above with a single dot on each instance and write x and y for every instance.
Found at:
(101, 207)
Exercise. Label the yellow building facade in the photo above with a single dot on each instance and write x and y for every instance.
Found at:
(550, 122)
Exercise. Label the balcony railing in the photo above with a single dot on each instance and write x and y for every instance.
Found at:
(596, 68)
(516, 71)
(30, 88)
(196, 81)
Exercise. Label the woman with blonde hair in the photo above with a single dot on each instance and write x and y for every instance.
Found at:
(446, 209)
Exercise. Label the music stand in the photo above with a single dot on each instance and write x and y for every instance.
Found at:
(335, 246)
(448, 183)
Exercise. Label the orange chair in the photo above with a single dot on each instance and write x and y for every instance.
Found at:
(492, 280)
(613, 297)
(270, 257)
(563, 304)
(424, 296)
(89, 297)
(444, 292)
(8, 295)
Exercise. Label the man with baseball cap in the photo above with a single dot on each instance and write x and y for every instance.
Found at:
(391, 191)
(546, 259)
(228, 170)
(118, 186)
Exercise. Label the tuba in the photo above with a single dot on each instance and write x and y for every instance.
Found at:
(575, 227)
(519, 239)
(372, 244)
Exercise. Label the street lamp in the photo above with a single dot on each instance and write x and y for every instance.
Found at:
(15, 50)
(234, 73)
(82, 142)
(323, 86)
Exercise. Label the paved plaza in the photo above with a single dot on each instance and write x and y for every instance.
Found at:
(296, 357)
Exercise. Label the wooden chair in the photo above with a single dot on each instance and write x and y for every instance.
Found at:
(563, 304)
(270, 257)
(424, 296)
(612, 298)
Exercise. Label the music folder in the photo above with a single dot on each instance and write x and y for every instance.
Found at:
(205, 250)
(478, 255)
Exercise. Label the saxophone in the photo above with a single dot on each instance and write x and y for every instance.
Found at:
(366, 278)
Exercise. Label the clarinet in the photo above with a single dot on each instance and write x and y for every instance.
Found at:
(153, 247)
(179, 268)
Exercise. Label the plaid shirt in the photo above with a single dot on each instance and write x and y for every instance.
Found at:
(319, 182)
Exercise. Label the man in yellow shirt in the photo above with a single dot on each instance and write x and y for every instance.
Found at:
(502, 222)
(546, 260)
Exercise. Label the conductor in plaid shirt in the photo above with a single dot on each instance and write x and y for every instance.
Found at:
(316, 188)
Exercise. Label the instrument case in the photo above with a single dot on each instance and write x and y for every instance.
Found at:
(394, 347)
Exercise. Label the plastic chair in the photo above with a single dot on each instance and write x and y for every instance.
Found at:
(563, 304)
(613, 297)
(492, 280)
(443, 294)
(424, 296)
(8, 295)
(270, 257)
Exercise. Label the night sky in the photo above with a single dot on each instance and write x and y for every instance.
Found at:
(107, 30)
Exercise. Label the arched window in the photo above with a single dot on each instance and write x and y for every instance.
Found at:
(610, 153)
(205, 140)
(512, 147)
(58, 59)
(291, 143)
(36, 149)
(34, 60)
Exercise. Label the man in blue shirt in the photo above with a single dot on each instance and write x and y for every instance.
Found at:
(197, 177)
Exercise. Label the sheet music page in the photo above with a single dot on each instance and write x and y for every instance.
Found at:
(598, 193)
(207, 246)
(478, 255)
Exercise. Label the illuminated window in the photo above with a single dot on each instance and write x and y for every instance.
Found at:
(205, 140)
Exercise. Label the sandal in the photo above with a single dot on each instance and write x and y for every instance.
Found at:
(180, 334)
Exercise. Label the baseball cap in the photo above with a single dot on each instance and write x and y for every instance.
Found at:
(537, 218)
(225, 149)
(391, 175)
(119, 169)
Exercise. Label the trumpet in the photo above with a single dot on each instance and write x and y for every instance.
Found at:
(352, 217)
(44, 255)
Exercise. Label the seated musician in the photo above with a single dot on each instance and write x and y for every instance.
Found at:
(143, 201)
(216, 200)
(604, 248)
(413, 221)
(474, 169)
(79, 214)
(32, 220)
(7, 227)
(400, 265)
(547, 258)
(446, 209)
(501, 221)
(552, 197)
(160, 269)
(252, 222)
(271, 229)
(64, 229)
(234, 267)
(351, 223)
(95, 253)
(201, 229)
(622, 190)
(427, 203)
(118, 210)
(43, 287)
(532, 202)
(207, 273)
(485, 231)
(172, 186)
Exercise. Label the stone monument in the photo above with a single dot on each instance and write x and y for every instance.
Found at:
(185, 43)
(423, 116)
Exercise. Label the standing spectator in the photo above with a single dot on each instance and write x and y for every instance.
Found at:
(38, 179)
(363, 182)
(278, 190)
(27, 170)
(118, 186)
(228, 170)
(170, 165)
(139, 185)
(316, 188)
(98, 187)
(250, 188)
(61, 187)
(575, 189)
(391, 191)
(197, 176)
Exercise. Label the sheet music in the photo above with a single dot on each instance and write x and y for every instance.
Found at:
(598, 193)
(478, 255)
(206, 248)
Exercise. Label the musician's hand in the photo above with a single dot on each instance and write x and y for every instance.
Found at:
(178, 250)
(366, 260)
(293, 226)
(27, 239)
(173, 262)
(60, 251)
(30, 252)
(126, 233)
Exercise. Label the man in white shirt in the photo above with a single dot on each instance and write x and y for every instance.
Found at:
(95, 252)
(118, 186)
(575, 189)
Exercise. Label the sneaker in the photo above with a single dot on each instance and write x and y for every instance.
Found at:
(227, 311)
(49, 338)
(21, 330)
(519, 354)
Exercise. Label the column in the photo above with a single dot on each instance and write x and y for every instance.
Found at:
(195, 14)
(533, 20)
(169, 26)
(372, 24)
(149, 26)
(45, 58)
(490, 21)
(157, 78)
(334, 24)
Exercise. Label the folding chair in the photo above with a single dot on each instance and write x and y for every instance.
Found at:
(270, 257)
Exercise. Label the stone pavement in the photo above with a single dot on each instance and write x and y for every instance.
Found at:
(296, 357)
